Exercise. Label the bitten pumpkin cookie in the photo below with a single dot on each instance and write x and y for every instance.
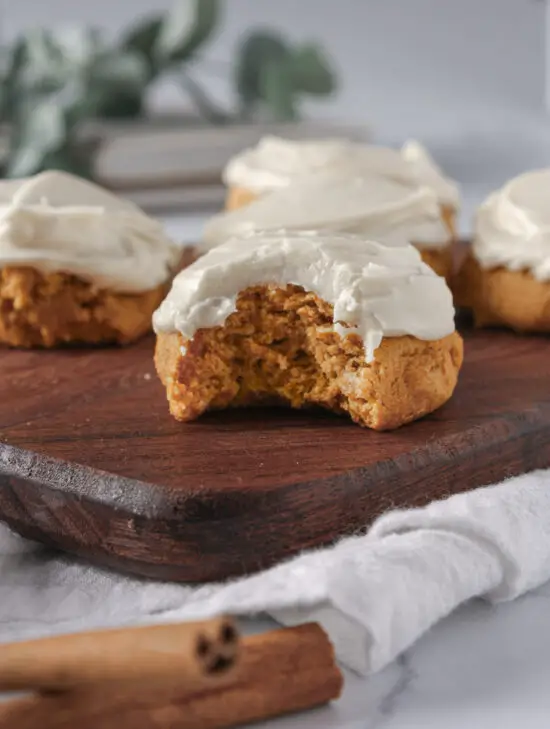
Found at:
(309, 319)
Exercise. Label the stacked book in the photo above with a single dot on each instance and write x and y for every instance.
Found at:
(167, 166)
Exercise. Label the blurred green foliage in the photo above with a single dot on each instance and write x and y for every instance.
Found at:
(51, 82)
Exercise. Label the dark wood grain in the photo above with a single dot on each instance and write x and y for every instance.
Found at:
(91, 462)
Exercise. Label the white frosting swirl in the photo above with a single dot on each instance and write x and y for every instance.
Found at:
(426, 172)
(512, 227)
(275, 163)
(374, 207)
(57, 222)
(379, 290)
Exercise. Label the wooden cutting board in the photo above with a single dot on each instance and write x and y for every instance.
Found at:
(92, 463)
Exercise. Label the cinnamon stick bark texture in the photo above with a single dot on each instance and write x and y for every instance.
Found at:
(195, 653)
(278, 672)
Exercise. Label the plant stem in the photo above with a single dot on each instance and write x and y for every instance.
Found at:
(206, 107)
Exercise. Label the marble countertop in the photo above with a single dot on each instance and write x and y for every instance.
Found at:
(482, 668)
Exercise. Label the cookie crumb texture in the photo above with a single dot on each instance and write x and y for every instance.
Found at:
(276, 349)
(499, 297)
(48, 310)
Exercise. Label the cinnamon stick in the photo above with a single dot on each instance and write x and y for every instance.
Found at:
(195, 653)
(278, 672)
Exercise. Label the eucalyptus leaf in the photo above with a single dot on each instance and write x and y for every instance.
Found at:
(97, 81)
(4, 100)
(79, 46)
(12, 59)
(142, 39)
(39, 64)
(189, 24)
(41, 130)
(120, 70)
(82, 101)
(41, 49)
(311, 70)
(257, 51)
(117, 82)
(120, 104)
(75, 99)
(276, 90)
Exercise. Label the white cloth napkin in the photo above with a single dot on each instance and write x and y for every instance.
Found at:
(375, 594)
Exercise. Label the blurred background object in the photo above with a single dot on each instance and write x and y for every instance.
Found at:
(468, 79)
(65, 91)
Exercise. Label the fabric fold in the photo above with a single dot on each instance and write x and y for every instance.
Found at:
(375, 594)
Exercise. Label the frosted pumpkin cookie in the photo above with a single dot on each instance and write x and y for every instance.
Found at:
(376, 208)
(505, 279)
(309, 319)
(77, 264)
(275, 163)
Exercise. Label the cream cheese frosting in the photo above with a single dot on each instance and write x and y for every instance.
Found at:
(56, 222)
(276, 162)
(374, 207)
(377, 289)
(512, 227)
(426, 172)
